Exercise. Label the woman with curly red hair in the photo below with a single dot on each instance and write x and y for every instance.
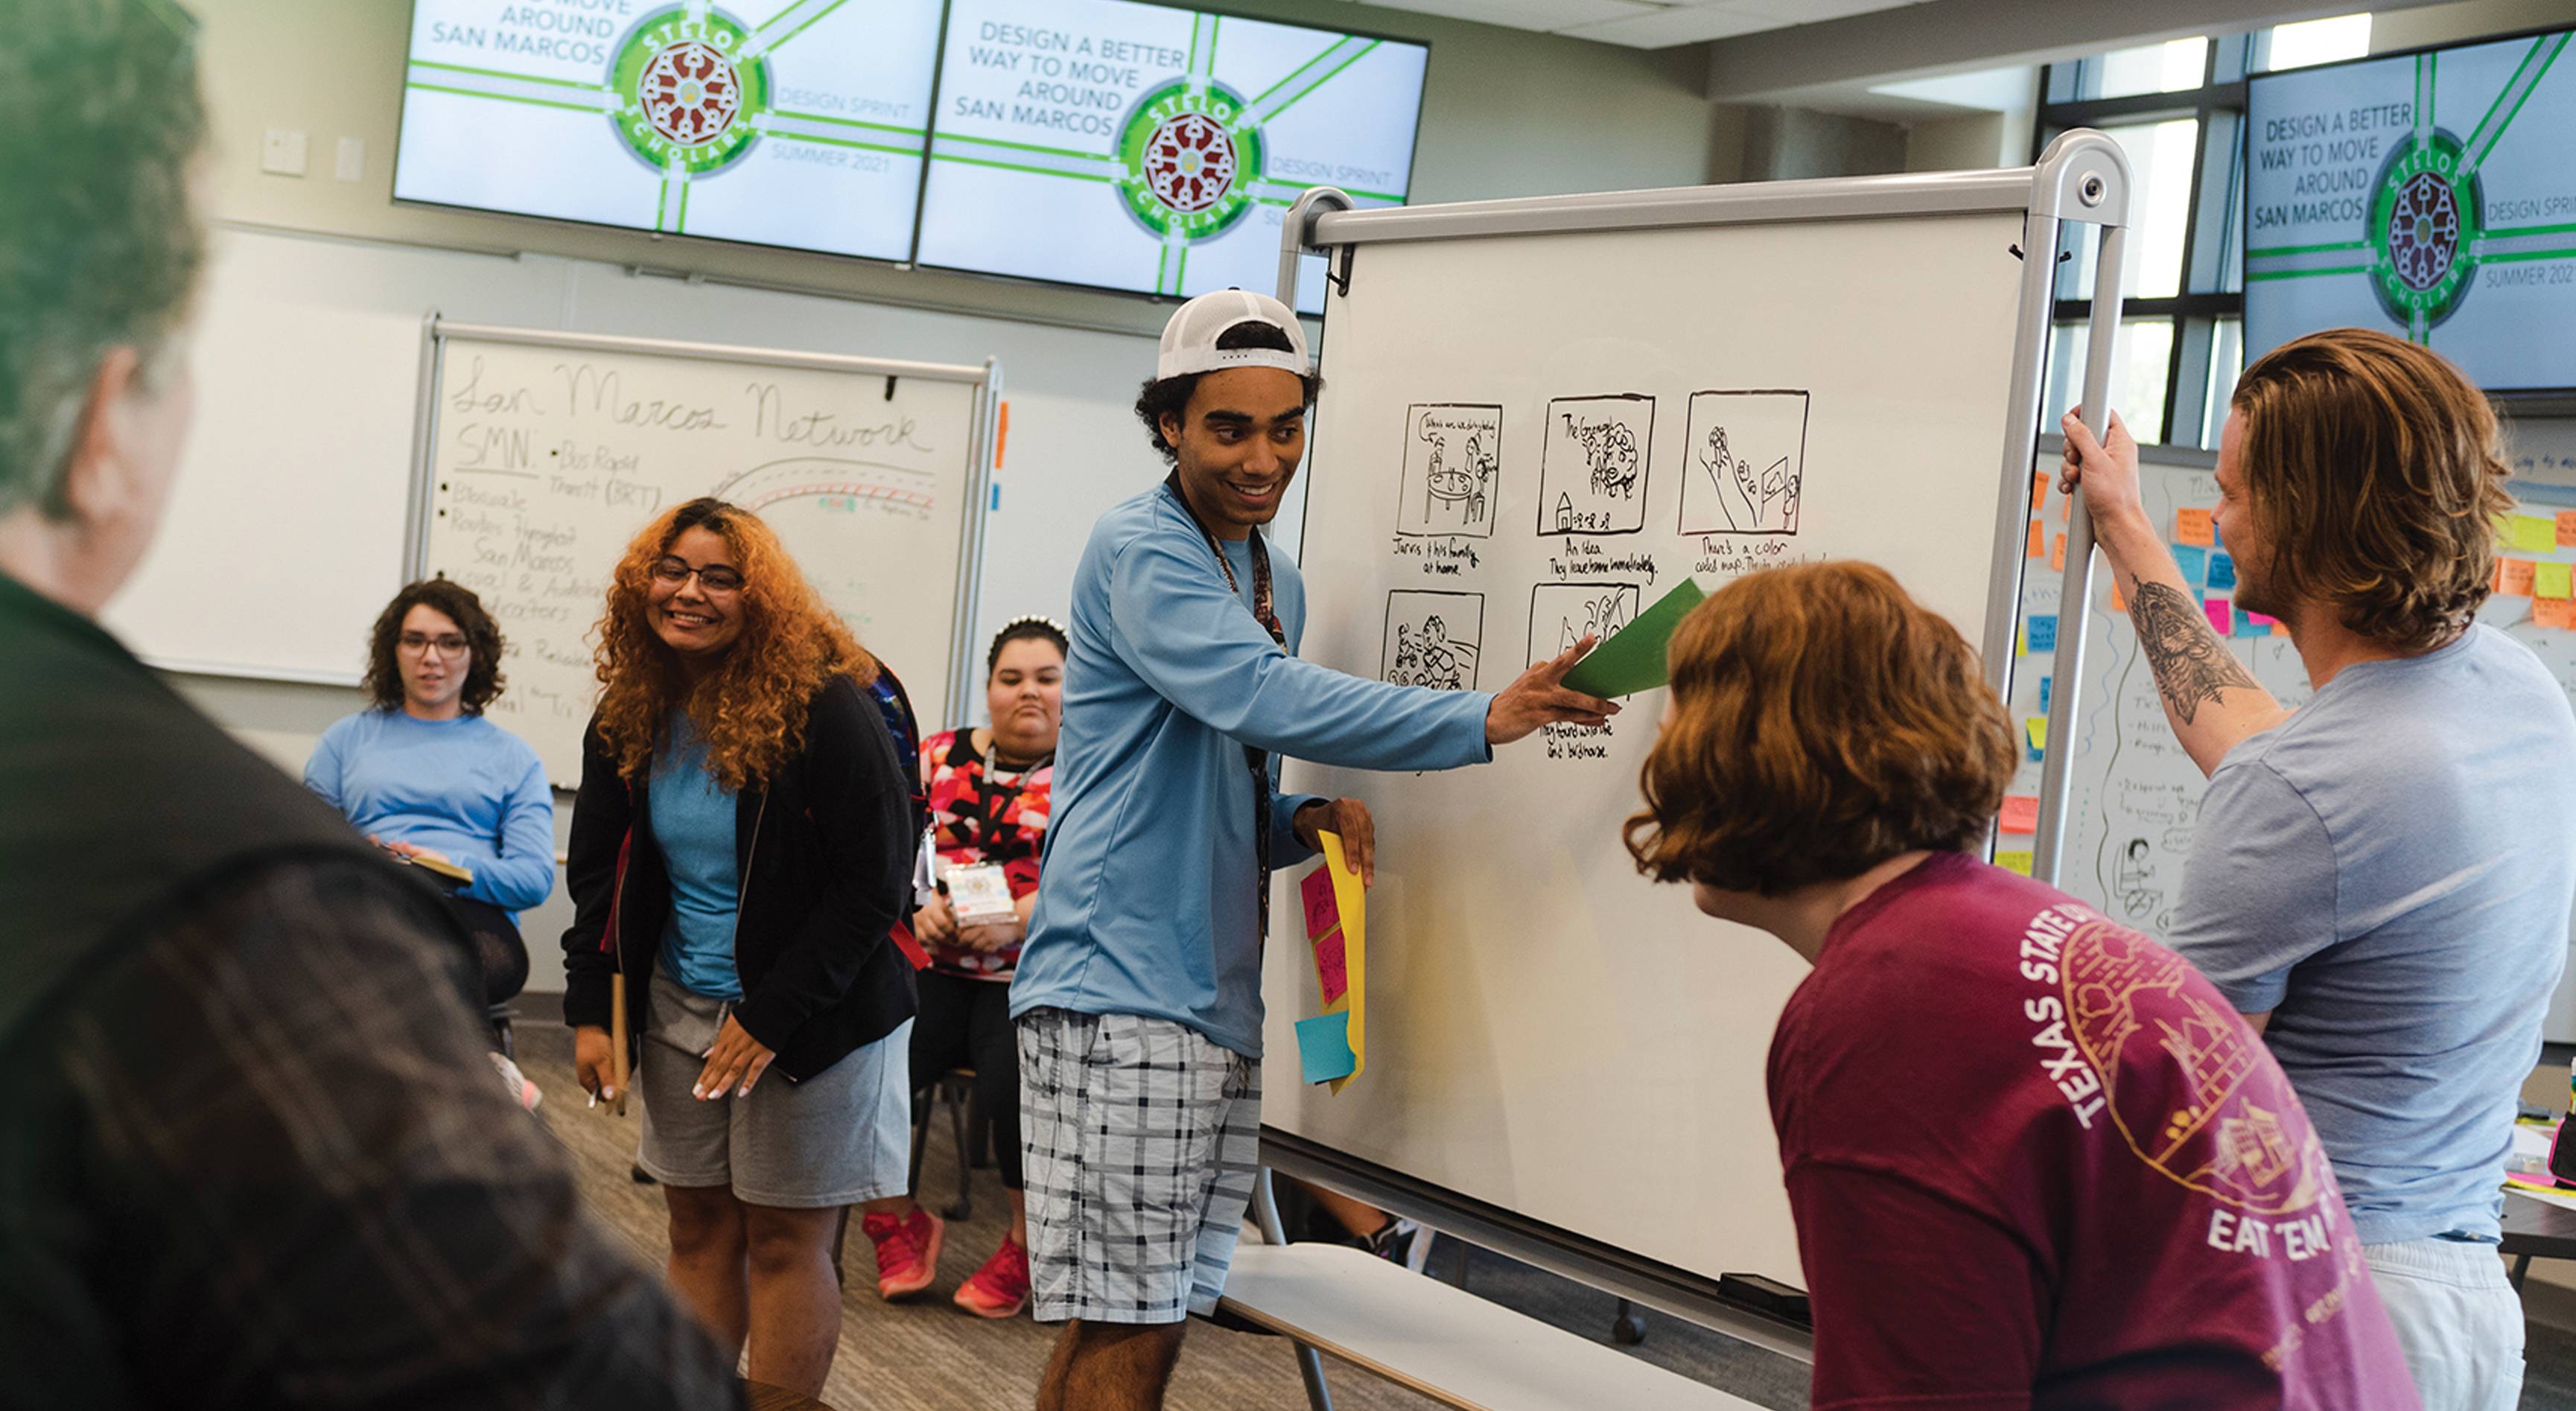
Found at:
(741, 846)
(2033, 1157)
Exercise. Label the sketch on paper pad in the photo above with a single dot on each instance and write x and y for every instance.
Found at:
(1593, 472)
(1562, 614)
(1747, 461)
(1433, 639)
(1453, 455)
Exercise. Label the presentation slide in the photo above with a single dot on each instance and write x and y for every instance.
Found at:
(1135, 146)
(797, 123)
(2432, 195)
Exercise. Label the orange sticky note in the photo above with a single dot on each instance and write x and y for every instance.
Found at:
(2555, 612)
(2517, 578)
(2038, 487)
(2038, 540)
(2057, 554)
(2567, 529)
(2021, 813)
(2118, 602)
(2195, 527)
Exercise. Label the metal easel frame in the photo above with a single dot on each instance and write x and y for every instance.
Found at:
(2083, 180)
(980, 450)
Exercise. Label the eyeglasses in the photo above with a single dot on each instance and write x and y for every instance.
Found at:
(715, 577)
(446, 645)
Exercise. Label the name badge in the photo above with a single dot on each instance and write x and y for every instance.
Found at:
(978, 892)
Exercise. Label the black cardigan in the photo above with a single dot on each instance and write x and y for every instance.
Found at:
(825, 852)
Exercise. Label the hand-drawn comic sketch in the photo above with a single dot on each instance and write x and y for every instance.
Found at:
(1453, 455)
(1433, 639)
(1593, 472)
(1562, 614)
(1746, 456)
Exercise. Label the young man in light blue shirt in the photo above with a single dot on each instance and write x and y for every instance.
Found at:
(2381, 881)
(1138, 995)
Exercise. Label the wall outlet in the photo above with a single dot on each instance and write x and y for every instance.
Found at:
(283, 153)
(352, 165)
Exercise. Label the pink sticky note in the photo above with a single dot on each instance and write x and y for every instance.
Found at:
(2260, 620)
(1322, 912)
(2222, 615)
(2021, 813)
(1331, 968)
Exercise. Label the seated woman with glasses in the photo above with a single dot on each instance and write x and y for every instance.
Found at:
(421, 771)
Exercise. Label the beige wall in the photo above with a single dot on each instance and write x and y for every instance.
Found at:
(1505, 113)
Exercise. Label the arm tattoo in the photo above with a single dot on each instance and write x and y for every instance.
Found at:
(2190, 663)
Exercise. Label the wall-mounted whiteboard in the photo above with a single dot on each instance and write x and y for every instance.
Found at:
(1525, 437)
(546, 453)
(286, 532)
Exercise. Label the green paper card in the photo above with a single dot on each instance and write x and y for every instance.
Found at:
(1632, 660)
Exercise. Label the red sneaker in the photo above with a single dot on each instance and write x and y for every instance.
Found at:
(907, 1250)
(1001, 1288)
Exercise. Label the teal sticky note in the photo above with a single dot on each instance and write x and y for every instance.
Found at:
(2193, 560)
(1324, 1047)
(2043, 693)
(2043, 632)
(2246, 626)
(2222, 572)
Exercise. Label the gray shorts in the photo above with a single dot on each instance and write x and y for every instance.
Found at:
(1142, 1138)
(838, 1138)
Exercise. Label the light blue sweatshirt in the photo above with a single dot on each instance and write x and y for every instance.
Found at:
(1146, 901)
(463, 787)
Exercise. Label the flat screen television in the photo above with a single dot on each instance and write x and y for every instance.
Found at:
(2430, 194)
(795, 123)
(1149, 148)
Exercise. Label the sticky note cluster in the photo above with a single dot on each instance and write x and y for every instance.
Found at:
(1332, 1047)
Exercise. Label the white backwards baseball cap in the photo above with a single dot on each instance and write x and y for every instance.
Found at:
(1189, 340)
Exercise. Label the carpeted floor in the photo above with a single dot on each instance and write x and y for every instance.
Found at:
(927, 1355)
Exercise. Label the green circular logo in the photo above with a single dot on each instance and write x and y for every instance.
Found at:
(2423, 231)
(686, 90)
(1190, 160)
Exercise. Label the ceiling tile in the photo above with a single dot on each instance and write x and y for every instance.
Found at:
(1808, 11)
(1546, 15)
(1692, 24)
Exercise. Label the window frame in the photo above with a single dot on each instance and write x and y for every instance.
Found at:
(2211, 289)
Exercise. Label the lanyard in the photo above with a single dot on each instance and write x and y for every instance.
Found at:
(1255, 758)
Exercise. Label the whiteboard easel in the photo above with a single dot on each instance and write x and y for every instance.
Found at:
(1465, 1110)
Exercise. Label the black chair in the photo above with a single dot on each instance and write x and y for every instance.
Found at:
(956, 1088)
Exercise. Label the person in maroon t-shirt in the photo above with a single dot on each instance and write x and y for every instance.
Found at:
(2035, 1159)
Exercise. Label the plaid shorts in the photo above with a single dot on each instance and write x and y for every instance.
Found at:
(1142, 1138)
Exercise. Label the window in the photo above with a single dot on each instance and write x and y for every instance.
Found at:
(2178, 112)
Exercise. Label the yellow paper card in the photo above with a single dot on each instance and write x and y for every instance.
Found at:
(1352, 899)
(2552, 580)
(2014, 862)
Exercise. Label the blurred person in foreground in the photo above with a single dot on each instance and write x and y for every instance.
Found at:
(251, 1151)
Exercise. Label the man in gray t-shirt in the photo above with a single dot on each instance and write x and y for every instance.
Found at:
(2381, 883)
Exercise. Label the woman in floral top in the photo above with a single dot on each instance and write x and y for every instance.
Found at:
(988, 807)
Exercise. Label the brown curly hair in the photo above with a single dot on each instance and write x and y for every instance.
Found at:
(483, 678)
(2373, 473)
(751, 709)
(1822, 722)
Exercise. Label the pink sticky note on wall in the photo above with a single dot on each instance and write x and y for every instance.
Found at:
(1332, 968)
(2021, 813)
(1322, 912)
(2222, 615)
